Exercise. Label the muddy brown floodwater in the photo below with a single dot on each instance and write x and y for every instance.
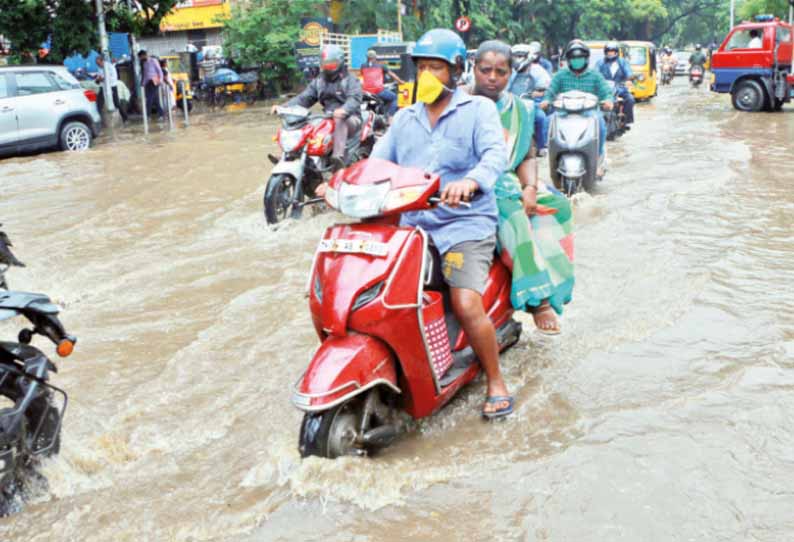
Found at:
(664, 412)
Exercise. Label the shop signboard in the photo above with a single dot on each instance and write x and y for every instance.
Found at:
(196, 15)
(307, 50)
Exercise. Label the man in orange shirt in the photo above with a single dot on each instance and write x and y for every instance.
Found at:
(374, 76)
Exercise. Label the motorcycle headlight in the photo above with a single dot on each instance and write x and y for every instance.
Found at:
(289, 140)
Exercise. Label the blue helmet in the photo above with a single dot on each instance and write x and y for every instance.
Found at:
(441, 44)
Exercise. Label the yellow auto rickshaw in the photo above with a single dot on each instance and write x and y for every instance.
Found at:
(642, 58)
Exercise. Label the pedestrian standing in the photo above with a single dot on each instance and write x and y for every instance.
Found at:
(152, 79)
(113, 82)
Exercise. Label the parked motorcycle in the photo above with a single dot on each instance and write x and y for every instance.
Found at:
(573, 142)
(389, 342)
(696, 76)
(616, 118)
(306, 142)
(31, 407)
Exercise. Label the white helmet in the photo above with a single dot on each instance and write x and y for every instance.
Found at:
(534, 50)
(520, 49)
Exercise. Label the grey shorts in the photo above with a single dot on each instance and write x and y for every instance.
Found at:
(466, 265)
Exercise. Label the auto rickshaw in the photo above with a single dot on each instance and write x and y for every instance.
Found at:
(642, 58)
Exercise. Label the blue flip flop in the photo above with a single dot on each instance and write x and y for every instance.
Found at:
(501, 413)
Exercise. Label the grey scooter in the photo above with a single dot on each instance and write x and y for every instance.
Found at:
(573, 142)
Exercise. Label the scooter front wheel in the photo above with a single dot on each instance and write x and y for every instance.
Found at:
(353, 428)
(331, 433)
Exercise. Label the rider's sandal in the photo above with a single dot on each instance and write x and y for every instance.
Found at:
(502, 412)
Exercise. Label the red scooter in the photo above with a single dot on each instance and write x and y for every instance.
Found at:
(306, 142)
(696, 76)
(389, 341)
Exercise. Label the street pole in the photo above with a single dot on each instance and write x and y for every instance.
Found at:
(136, 70)
(103, 43)
(399, 16)
(733, 13)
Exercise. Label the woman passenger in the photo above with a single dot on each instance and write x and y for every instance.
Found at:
(535, 235)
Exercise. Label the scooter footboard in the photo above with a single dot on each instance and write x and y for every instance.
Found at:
(344, 367)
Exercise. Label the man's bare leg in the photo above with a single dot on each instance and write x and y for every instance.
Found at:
(468, 309)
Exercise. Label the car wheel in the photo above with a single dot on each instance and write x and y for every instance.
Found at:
(748, 96)
(75, 136)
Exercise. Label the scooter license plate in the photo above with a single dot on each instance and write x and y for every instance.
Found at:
(354, 246)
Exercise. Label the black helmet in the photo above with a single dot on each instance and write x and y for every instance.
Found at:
(577, 49)
(611, 46)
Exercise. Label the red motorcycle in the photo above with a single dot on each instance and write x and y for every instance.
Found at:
(306, 142)
(389, 341)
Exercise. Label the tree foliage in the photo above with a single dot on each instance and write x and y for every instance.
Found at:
(551, 22)
(71, 24)
(750, 8)
(264, 32)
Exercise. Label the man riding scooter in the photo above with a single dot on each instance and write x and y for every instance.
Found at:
(668, 62)
(339, 93)
(614, 68)
(374, 76)
(577, 76)
(545, 63)
(698, 58)
(529, 80)
(459, 137)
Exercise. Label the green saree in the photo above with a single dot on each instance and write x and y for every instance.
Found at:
(538, 249)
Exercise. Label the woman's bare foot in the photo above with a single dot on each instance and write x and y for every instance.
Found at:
(546, 319)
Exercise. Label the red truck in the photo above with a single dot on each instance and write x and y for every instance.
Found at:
(754, 64)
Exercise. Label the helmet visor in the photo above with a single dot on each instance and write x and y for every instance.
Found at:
(330, 65)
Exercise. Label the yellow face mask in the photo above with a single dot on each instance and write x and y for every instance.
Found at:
(429, 88)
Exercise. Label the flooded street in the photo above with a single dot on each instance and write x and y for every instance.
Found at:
(663, 412)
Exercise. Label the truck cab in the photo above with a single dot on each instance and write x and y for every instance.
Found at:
(754, 64)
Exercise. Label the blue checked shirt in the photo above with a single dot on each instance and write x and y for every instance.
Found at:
(467, 142)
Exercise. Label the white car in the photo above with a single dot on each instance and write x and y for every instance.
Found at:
(682, 66)
(43, 107)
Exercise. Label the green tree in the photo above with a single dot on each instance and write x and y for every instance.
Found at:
(751, 8)
(264, 32)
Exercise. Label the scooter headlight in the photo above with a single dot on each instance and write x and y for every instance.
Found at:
(289, 140)
(362, 201)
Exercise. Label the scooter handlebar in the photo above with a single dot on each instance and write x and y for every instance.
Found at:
(436, 200)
